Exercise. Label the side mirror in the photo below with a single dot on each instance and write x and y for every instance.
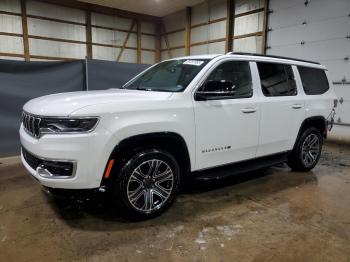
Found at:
(213, 90)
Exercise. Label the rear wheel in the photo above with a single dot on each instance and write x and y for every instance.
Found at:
(307, 150)
(148, 184)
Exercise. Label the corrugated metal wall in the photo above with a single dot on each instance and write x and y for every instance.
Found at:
(316, 30)
(57, 32)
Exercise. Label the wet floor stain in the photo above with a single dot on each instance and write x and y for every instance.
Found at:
(267, 215)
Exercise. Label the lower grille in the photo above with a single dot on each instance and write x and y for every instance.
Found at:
(55, 168)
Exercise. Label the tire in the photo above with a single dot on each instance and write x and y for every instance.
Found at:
(307, 150)
(152, 175)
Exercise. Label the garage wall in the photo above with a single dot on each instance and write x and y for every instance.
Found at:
(249, 26)
(62, 33)
(317, 30)
(209, 27)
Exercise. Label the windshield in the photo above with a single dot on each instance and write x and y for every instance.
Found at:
(168, 76)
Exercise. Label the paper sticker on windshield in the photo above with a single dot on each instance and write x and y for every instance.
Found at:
(193, 62)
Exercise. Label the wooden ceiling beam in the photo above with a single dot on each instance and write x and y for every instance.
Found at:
(102, 9)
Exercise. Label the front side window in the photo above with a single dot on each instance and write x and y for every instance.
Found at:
(233, 76)
(277, 79)
(168, 76)
(314, 80)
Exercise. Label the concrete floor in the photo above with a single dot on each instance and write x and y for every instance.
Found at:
(268, 215)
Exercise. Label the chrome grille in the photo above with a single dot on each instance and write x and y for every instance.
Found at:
(31, 124)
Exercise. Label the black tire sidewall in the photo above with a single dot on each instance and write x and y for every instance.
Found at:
(298, 155)
(126, 172)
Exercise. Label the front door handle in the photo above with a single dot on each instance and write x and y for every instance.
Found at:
(249, 110)
(297, 106)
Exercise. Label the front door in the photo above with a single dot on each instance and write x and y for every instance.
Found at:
(227, 122)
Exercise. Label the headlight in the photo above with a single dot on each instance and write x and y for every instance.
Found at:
(67, 125)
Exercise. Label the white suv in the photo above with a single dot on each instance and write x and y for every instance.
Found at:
(200, 116)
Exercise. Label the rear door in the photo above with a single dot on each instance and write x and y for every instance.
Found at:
(282, 107)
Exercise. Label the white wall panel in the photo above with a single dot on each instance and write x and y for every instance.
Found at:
(199, 50)
(285, 4)
(243, 6)
(148, 27)
(217, 30)
(174, 21)
(147, 57)
(318, 51)
(249, 24)
(176, 39)
(324, 36)
(10, 6)
(175, 53)
(200, 13)
(208, 32)
(55, 11)
(343, 109)
(249, 44)
(335, 28)
(105, 53)
(129, 56)
(178, 52)
(57, 49)
(56, 30)
(212, 48)
(164, 55)
(11, 44)
(217, 48)
(199, 34)
(10, 24)
(111, 21)
(217, 9)
(335, 74)
(148, 42)
(110, 37)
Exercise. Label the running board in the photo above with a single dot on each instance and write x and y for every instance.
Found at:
(240, 167)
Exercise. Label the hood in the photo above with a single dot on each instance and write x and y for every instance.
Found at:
(64, 104)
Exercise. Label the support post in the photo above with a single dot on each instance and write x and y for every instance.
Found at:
(25, 30)
(158, 42)
(88, 34)
(86, 74)
(188, 31)
(138, 41)
(230, 25)
(265, 26)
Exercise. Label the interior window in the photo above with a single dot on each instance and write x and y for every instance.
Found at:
(237, 73)
(314, 80)
(277, 79)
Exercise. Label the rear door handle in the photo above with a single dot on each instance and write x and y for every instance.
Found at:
(297, 106)
(249, 110)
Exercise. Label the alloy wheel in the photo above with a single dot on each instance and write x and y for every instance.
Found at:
(150, 185)
(310, 150)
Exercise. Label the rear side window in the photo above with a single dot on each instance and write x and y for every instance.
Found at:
(314, 80)
(277, 79)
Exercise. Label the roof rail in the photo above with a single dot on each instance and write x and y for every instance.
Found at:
(273, 56)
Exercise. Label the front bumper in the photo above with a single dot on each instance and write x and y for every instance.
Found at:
(88, 154)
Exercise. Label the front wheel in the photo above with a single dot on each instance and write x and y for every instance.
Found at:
(307, 151)
(148, 184)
